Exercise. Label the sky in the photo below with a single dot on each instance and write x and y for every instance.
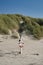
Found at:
(33, 8)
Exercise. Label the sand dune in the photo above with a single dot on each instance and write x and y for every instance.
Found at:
(32, 51)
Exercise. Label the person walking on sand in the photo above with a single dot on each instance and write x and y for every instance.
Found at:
(21, 44)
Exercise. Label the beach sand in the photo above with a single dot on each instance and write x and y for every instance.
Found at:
(32, 51)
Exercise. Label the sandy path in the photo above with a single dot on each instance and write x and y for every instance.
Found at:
(32, 52)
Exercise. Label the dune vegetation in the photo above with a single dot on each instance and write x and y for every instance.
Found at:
(33, 26)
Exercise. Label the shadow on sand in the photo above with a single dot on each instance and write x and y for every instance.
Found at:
(32, 64)
(15, 53)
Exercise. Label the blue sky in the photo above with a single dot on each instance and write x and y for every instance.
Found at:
(32, 8)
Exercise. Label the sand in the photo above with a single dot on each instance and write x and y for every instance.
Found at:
(32, 51)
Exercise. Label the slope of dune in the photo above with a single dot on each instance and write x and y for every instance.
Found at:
(31, 25)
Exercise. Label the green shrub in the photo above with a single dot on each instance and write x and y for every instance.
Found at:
(37, 32)
(4, 30)
(33, 26)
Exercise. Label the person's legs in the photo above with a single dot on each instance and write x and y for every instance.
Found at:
(20, 52)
